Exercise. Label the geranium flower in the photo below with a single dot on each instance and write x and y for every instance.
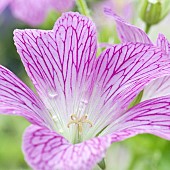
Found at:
(130, 33)
(82, 102)
(34, 12)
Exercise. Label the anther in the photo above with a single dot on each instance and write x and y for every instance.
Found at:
(79, 122)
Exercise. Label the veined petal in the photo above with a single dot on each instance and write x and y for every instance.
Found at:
(61, 64)
(160, 86)
(157, 88)
(163, 43)
(151, 116)
(126, 31)
(17, 99)
(47, 150)
(39, 9)
(130, 33)
(122, 72)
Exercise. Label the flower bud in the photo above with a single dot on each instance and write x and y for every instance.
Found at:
(151, 11)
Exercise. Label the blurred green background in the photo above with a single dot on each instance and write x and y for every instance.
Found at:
(143, 152)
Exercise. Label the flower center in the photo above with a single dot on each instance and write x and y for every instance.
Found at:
(79, 122)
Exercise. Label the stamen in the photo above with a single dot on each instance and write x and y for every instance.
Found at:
(79, 122)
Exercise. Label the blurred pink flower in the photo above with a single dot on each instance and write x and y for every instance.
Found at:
(34, 12)
(82, 103)
(123, 7)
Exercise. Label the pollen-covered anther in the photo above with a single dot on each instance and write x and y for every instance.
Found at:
(79, 122)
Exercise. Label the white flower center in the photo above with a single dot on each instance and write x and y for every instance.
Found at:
(78, 117)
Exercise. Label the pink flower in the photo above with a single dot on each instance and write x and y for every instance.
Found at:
(34, 12)
(82, 102)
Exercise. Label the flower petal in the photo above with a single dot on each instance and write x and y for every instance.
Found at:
(126, 31)
(160, 86)
(47, 150)
(17, 99)
(21, 10)
(64, 55)
(163, 43)
(61, 64)
(157, 88)
(151, 116)
(122, 72)
(127, 66)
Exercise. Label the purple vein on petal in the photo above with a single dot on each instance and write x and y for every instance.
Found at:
(60, 63)
(121, 73)
(151, 116)
(47, 150)
(17, 99)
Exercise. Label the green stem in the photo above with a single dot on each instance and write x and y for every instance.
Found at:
(147, 28)
(82, 7)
